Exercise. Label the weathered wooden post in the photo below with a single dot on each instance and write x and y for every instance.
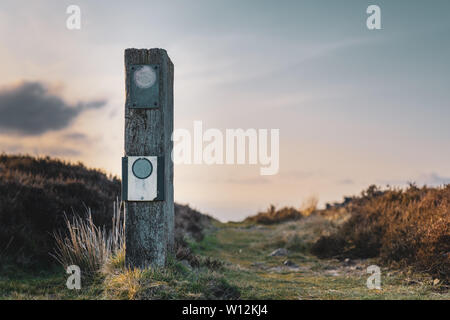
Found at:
(147, 168)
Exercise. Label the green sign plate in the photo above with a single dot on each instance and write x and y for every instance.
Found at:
(144, 86)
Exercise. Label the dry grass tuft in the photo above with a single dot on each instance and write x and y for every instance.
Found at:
(309, 205)
(89, 246)
(125, 284)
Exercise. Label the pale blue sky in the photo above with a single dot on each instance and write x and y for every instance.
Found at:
(353, 106)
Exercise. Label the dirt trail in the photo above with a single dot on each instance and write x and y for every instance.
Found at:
(259, 274)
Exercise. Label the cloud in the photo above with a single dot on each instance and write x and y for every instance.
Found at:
(75, 136)
(249, 180)
(345, 182)
(432, 179)
(297, 174)
(30, 109)
(55, 151)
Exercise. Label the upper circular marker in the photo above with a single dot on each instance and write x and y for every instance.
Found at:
(145, 77)
(142, 168)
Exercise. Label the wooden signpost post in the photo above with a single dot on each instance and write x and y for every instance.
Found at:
(147, 168)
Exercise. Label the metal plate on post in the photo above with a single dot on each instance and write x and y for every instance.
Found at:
(143, 178)
(144, 86)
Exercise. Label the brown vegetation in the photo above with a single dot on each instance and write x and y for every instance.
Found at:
(35, 196)
(407, 227)
(40, 196)
(272, 215)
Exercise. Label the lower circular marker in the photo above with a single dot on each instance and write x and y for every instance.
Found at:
(142, 168)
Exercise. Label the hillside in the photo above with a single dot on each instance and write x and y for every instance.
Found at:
(36, 194)
(409, 228)
(285, 253)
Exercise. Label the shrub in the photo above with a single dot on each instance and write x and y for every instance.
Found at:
(411, 227)
(190, 223)
(35, 196)
(272, 215)
(309, 206)
(40, 196)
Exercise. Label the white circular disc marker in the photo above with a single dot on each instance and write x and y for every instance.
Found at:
(145, 77)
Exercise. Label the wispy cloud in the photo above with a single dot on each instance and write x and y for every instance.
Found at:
(429, 179)
(248, 180)
(345, 182)
(75, 136)
(55, 151)
(432, 179)
(30, 109)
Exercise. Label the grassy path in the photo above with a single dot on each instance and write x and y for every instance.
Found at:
(249, 266)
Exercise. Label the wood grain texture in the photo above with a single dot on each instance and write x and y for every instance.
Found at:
(148, 132)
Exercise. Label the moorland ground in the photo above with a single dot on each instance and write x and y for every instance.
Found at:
(277, 254)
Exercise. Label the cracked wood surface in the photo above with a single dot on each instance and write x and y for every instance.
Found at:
(148, 132)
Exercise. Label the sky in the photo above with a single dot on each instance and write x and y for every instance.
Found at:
(354, 106)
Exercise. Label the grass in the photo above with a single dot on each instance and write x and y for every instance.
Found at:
(174, 282)
(100, 254)
(44, 285)
(246, 271)
(89, 246)
(249, 267)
